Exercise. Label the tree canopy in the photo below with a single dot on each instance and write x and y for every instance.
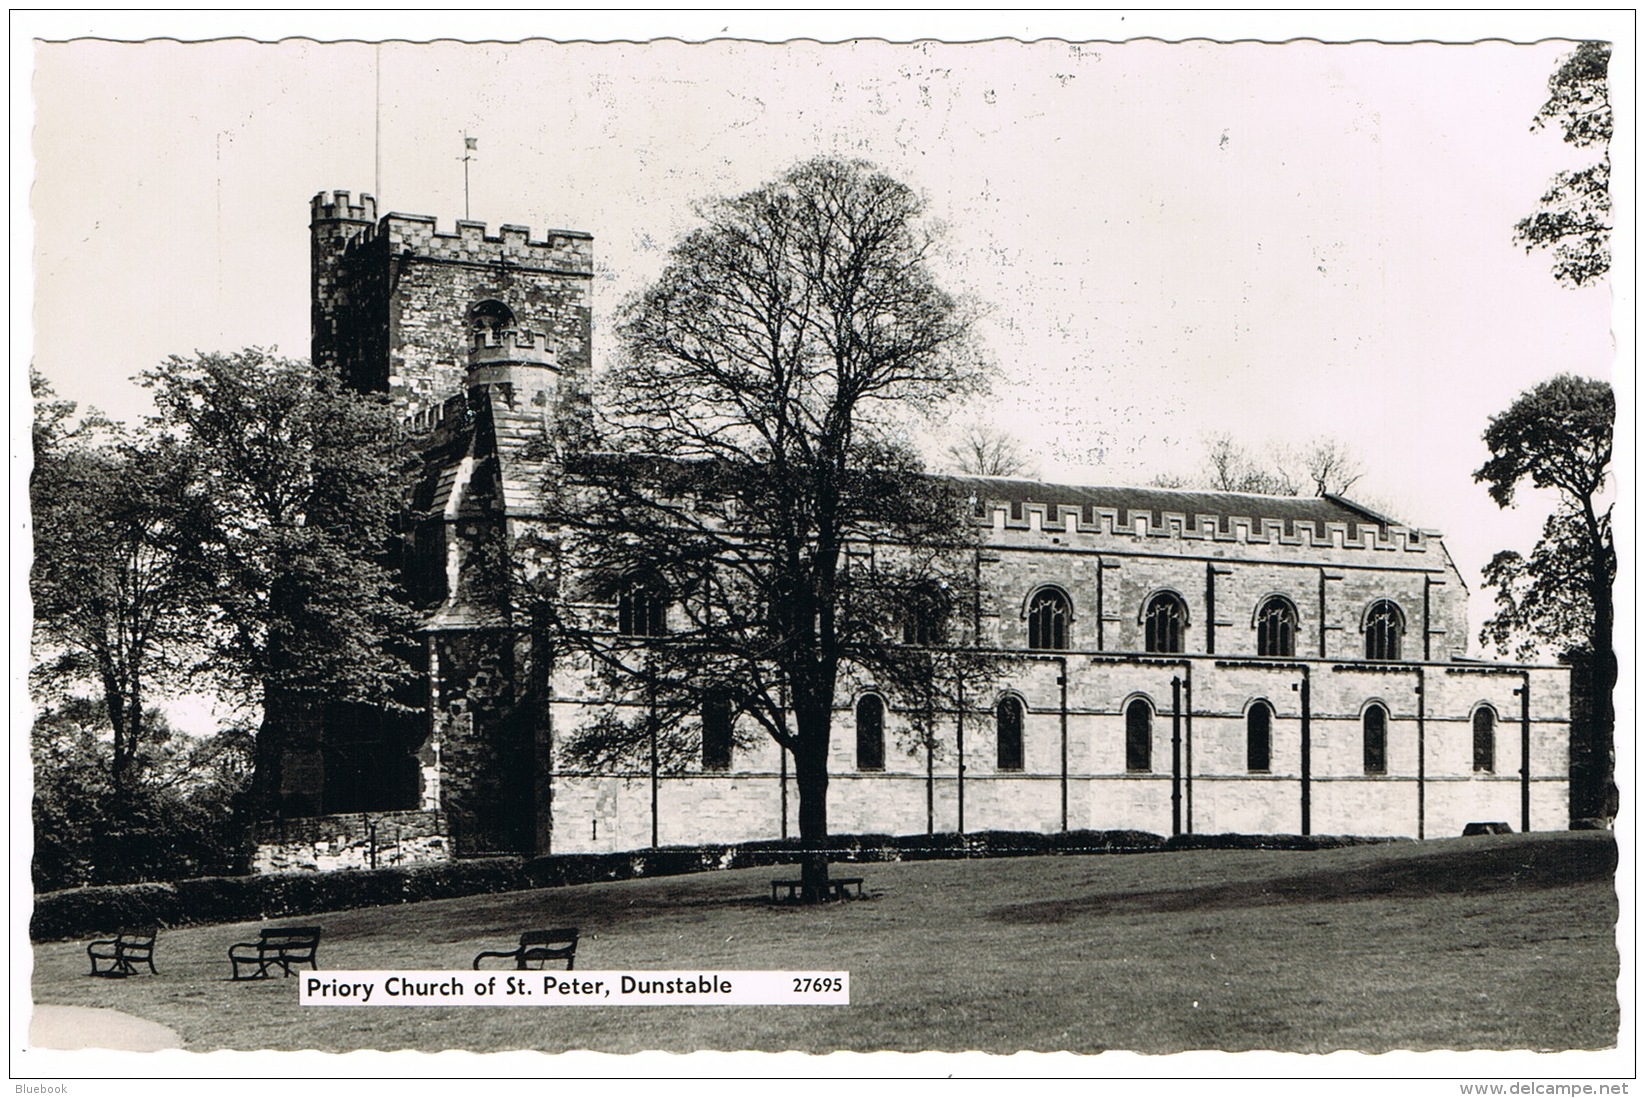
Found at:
(302, 480)
(755, 478)
(1558, 436)
(116, 583)
(1574, 218)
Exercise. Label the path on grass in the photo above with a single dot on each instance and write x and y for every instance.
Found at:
(73, 1027)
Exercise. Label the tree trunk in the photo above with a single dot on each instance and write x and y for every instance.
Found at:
(811, 782)
(1604, 677)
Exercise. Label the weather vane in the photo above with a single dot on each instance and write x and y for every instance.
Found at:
(470, 145)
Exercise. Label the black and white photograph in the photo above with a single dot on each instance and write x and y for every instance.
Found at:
(568, 539)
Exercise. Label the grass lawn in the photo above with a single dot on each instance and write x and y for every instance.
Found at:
(1501, 942)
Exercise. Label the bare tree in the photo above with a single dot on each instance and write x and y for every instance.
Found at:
(752, 513)
(1329, 467)
(982, 450)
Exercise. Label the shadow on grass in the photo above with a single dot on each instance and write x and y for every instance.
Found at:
(1485, 869)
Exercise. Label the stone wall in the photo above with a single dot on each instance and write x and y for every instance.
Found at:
(1198, 754)
(357, 840)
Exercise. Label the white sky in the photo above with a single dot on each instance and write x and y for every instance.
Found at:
(1277, 241)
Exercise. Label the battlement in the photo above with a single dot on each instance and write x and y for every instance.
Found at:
(337, 207)
(558, 249)
(1030, 517)
(501, 345)
(450, 415)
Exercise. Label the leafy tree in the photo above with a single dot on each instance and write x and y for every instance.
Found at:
(1558, 436)
(116, 587)
(1574, 220)
(303, 481)
(180, 816)
(753, 479)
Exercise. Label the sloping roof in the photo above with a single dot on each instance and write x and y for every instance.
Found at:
(1195, 506)
(524, 464)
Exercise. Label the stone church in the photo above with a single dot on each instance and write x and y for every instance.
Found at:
(1166, 661)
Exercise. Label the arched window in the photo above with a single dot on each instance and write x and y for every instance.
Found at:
(1384, 626)
(1008, 731)
(1048, 617)
(924, 615)
(642, 611)
(1276, 627)
(490, 316)
(716, 731)
(870, 732)
(1164, 623)
(1484, 741)
(1139, 736)
(1376, 740)
(1259, 735)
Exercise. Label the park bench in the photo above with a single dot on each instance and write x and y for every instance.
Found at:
(123, 953)
(837, 888)
(276, 947)
(539, 947)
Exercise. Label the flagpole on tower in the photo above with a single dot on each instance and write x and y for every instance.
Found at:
(470, 144)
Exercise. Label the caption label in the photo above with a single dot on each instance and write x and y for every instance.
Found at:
(555, 988)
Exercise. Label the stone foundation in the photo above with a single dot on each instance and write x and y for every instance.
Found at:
(356, 840)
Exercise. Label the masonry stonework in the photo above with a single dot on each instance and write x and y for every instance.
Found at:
(485, 340)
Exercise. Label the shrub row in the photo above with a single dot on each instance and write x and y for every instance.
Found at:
(79, 912)
(1275, 842)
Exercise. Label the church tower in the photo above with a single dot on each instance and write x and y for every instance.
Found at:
(398, 305)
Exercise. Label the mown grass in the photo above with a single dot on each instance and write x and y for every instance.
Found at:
(1503, 942)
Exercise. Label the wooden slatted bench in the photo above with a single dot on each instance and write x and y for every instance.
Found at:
(122, 953)
(537, 947)
(838, 888)
(276, 947)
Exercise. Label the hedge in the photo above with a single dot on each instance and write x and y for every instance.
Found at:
(1275, 842)
(80, 912)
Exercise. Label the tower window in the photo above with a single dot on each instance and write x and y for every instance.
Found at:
(870, 733)
(1048, 616)
(924, 615)
(1008, 729)
(1376, 740)
(1139, 736)
(716, 731)
(1484, 741)
(642, 611)
(1384, 627)
(1164, 623)
(489, 317)
(1259, 735)
(1277, 628)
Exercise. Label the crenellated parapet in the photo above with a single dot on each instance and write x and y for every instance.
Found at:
(1111, 523)
(498, 346)
(336, 206)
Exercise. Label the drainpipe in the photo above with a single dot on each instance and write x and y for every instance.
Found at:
(1524, 693)
(1176, 754)
(1188, 747)
(782, 779)
(1422, 751)
(930, 764)
(959, 749)
(1304, 691)
(651, 727)
(1062, 683)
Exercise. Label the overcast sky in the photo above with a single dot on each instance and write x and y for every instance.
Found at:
(1172, 240)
